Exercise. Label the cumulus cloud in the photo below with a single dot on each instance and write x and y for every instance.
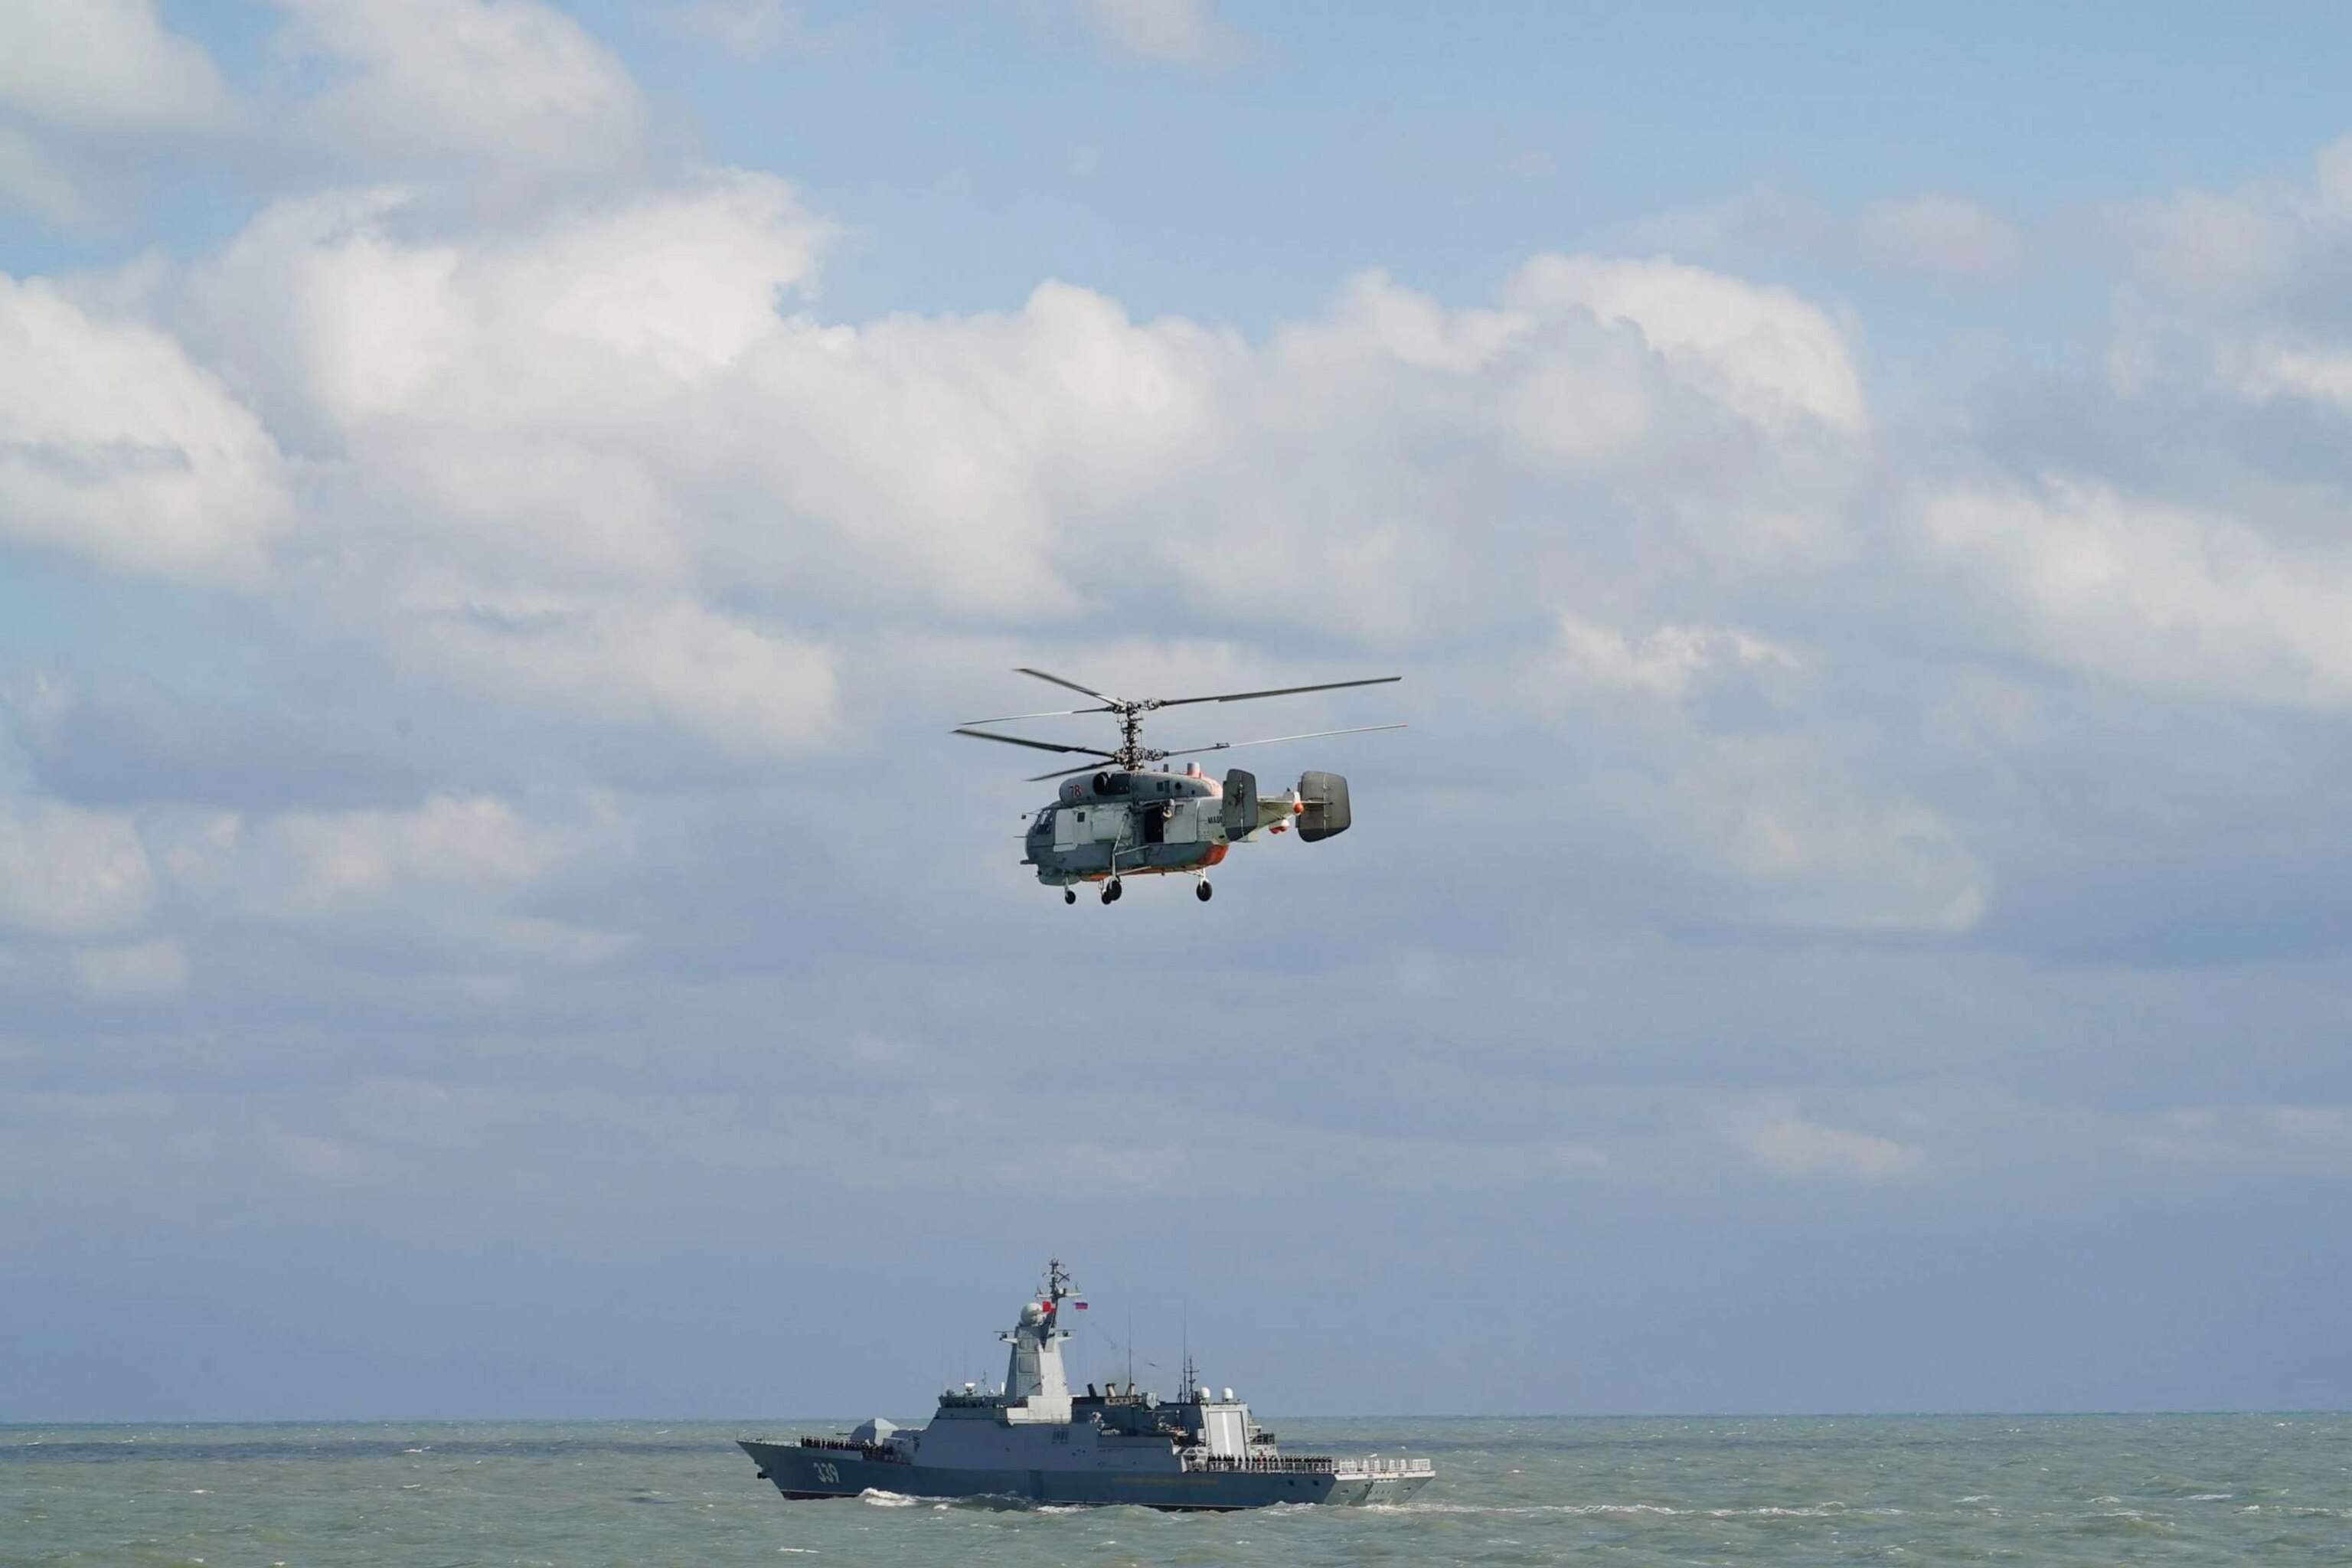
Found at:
(587, 463)
(508, 86)
(1665, 661)
(590, 313)
(84, 82)
(115, 447)
(541, 442)
(105, 65)
(2156, 595)
(1708, 749)
(2238, 291)
(1770, 353)
(673, 664)
(301, 863)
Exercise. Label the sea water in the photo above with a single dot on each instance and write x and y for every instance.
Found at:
(2127, 1489)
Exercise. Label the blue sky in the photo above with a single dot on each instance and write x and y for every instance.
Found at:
(499, 506)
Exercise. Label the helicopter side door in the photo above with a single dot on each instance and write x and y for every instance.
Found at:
(1070, 827)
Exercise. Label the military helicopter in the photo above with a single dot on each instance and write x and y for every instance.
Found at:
(1126, 819)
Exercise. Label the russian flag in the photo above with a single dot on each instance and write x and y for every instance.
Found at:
(1081, 1306)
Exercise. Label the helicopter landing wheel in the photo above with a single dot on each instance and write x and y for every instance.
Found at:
(1111, 891)
(1069, 895)
(1204, 892)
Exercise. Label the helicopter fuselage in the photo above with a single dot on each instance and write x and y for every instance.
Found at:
(1128, 824)
(1153, 822)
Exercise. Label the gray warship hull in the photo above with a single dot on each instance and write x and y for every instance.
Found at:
(803, 1472)
(1033, 1439)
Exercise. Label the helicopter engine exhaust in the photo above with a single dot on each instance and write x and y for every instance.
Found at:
(1325, 799)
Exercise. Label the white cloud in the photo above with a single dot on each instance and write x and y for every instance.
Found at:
(1662, 662)
(1709, 771)
(582, 464)
(2153, 594)
(2231, 291)
(82, 84)
(114, 446)
(671, 664)
(589, 314)
(298, 864)
(1771, 353)
(510, 85)
(105, 66)
(1175, 32)
(35, 180)
(65, 871)
(525, 426)
(608, 395)
(1936, 233)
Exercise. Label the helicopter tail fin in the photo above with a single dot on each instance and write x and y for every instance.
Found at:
(1325, 799)
(1240, 805)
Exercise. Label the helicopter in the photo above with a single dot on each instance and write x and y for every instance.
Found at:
(1121, 816)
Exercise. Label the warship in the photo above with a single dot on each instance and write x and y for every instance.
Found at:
(1033, 1440)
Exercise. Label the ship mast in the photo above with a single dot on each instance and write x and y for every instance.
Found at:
(1034, 1368)
(1184, 1394)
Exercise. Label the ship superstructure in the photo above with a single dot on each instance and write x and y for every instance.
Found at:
(1035, 1439)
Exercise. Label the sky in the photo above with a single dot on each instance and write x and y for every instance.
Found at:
(501, 506)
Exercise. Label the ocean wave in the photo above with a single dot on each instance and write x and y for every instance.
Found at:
(1760, 1510)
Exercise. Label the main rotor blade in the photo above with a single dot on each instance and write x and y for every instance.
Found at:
(1277, 692)
(1191, 751)
(1038, 745)
(1072, 685)
(1275, 739)
(1049, 713)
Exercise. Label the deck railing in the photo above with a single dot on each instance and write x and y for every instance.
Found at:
(1383, 1470)
(1309, 1464)
(846, 1445)
(1259, 1464)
